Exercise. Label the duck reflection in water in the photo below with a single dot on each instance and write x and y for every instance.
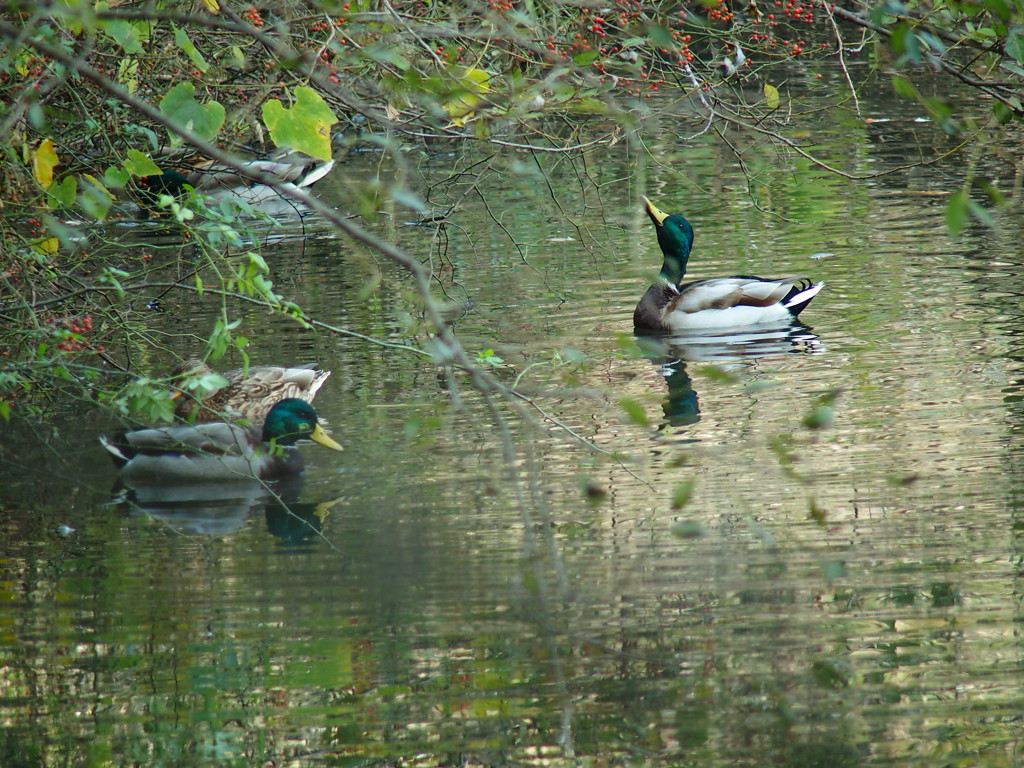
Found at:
(212, 510)
(724, 350)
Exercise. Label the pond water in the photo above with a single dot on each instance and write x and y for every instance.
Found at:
(793, 549)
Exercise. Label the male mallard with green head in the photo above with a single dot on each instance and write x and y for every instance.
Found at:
(219, 452)
(718, 303)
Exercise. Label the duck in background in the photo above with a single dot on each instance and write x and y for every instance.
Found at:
(285, 166)
(247, 394)
(719, 303)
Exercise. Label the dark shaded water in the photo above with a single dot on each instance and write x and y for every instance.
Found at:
(822, 597)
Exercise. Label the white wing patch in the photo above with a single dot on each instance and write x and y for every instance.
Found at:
(719, 303)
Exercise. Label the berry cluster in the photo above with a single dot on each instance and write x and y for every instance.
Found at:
(71, 330)
(252, 15)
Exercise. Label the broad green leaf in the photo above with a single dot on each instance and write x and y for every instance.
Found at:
(586, 58)
(306, 126)
(115, 176)
(1001, 9)
(63, 195)
(660, 37)
(635, 411)
(179, 104)
(185, 43)
(956, 212)
(44, 160)
(139, 164)
(129, 35)
(1014, 45)
(95, 198)
(771, 96)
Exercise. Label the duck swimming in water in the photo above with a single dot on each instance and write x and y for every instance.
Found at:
(717, 303)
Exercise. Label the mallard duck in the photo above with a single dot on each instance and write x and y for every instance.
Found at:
(248, 394)
(218, 452)
(284, 166)
(721, 302)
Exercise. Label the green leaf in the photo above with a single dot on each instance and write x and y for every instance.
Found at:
(408, 198)
(903, 41)
(115, 176)
(816, 513)
(185, 43)
(180, 106)
(306, 126)
(1001, 9)
(683, 493)
(771, 96)
(1003, 113)
(904, 87)
(63, 195)
(635, 411)
(956, 212)
(95, 198)
(127, 69)
(139, 164)
(1014, 45)
(586, 58)
(979, 212)
(820, 416)
(660, 37)
(130, 36)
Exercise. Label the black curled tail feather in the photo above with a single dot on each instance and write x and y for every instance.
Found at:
(800, 295)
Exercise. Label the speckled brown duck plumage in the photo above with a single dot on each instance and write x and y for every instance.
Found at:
(248, 394)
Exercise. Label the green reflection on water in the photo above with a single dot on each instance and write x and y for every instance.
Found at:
(850, 599)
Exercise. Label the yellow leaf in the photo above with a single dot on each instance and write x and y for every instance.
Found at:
(127, 70)
(44, 160)
(46, 246)
(771, 96)
(469, 84)
(212, 6)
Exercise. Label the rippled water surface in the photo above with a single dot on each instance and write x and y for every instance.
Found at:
(791, 548)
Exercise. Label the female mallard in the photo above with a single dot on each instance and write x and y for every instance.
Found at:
(721, 302)
(285, 167)
(247, 395)
(218, 452)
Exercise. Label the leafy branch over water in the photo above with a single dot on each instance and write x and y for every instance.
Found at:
(92, 96)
